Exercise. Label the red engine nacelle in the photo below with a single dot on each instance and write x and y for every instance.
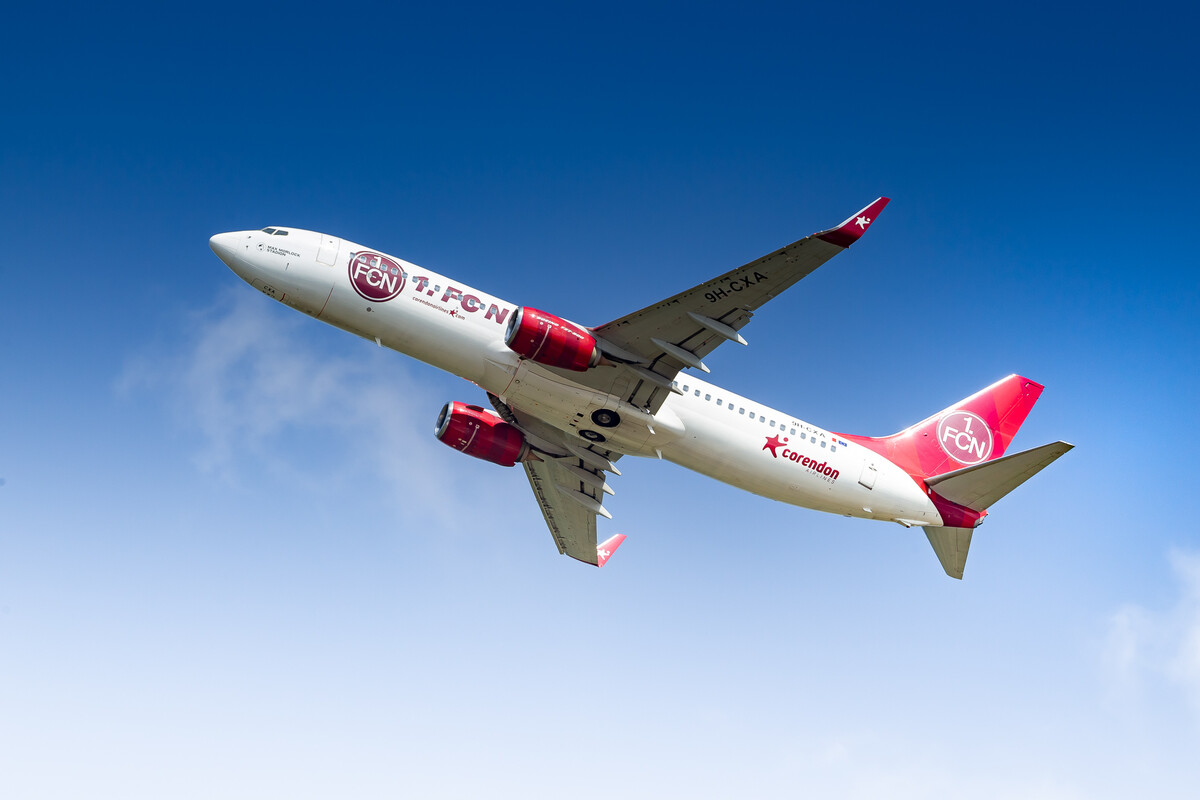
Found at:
(480, 433)
(548, 340)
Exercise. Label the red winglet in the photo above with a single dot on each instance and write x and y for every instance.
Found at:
(605, 550)
(848, 232)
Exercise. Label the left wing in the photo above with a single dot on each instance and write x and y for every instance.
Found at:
(569, 483)
(655, 343)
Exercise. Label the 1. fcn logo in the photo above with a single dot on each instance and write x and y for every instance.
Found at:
(965, 437)
(376, 277)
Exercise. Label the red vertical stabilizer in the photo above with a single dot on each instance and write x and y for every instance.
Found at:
(970, 432)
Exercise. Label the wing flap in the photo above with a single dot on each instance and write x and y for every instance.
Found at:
(569, 484)
(572, 526)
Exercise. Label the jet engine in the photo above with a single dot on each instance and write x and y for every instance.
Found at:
(548, 340)
(480, 433)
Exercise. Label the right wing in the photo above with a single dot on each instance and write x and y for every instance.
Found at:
(655, 343)
(569, 484)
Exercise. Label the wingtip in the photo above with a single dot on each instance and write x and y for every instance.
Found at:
(855, 225)
(605, 549)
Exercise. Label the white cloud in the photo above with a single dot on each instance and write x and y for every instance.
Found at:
(1160, 647)
(1184, 665)
(255, 386)
(869, 765)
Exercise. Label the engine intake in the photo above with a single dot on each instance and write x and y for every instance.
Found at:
(482, 434)
(552, 341)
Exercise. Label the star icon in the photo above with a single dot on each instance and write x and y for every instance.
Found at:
(863, 222)
(774, 442)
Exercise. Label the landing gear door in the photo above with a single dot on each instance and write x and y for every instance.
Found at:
(328, 251)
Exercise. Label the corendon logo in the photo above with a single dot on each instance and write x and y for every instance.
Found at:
(774, 443)
(375, 277)
(965, 437)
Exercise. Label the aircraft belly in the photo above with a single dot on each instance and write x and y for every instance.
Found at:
(806, 476)
(562, 404)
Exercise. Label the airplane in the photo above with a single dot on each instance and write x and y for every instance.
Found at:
(567, 401)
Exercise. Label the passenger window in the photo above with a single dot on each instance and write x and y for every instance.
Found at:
(718, 401)
(685, 388)
(793, 431)
(803, 437)
(822, 443)
(762, 419)
(832, 449)
(743, 411)
(751, 415)
(772, 423)
(707, 397)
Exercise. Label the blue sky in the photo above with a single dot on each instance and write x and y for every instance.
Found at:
(234, 562)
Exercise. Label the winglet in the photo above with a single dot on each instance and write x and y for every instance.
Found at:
(849, 231)
(605, 549)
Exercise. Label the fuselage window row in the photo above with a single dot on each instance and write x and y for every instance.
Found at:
(708, 398)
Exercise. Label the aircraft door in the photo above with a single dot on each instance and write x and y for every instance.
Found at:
(328, 251)
(867, 478)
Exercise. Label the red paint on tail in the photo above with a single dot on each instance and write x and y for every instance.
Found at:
(970, 432)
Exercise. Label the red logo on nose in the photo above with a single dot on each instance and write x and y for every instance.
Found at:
(965, 437)
(376, 277)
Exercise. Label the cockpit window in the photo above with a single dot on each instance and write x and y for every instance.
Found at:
(281, 233)
(268, 230)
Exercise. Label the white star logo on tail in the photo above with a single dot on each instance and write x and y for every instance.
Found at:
(863, 222)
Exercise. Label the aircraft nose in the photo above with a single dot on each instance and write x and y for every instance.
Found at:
(225, 246)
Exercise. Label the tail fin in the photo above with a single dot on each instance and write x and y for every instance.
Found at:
(951, 545)
(970, 432)
(957, 456)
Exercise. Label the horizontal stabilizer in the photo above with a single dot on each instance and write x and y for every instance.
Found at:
(979, 486)
(951, 545)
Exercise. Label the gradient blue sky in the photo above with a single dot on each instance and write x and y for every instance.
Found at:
(235, 563)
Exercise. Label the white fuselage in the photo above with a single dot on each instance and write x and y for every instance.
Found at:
(461, 330)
